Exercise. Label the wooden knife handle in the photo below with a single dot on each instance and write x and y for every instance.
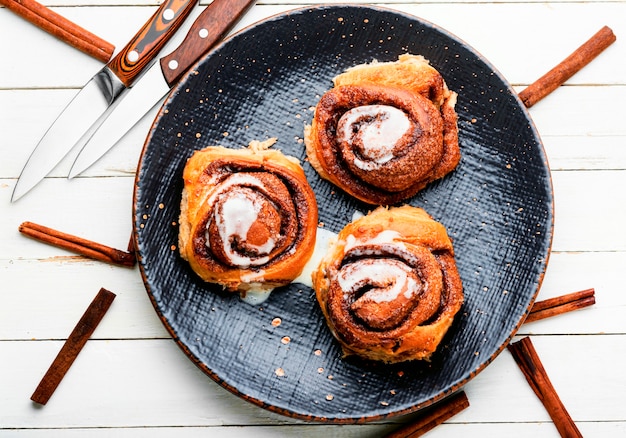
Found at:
(61, 28)
(139, 53)
(210, 27)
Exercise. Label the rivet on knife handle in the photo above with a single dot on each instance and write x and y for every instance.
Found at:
(150, 40)
(211, 26)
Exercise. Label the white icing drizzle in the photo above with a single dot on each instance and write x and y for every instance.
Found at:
(255, 296)
(385, 236)
(394, 277)
(251, 277)
(237, 215)
(390, 280)
(323, 240)
(383, 126)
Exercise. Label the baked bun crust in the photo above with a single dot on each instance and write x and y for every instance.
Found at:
(389, 287)
(248, 217)
(385, 130)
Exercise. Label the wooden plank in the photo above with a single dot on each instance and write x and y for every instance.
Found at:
(571, 272)
(589, 207)
(151, 383)
(290, 2)
(539, 37)
(497, 391)
(75, 206)
(590, 152)
(557, 30)
(24, 118)
(26, 310)
(30, 303)
(575, 137)
(575, 115)
(147, 387)
(43, 106)
(266, 431)
(77, 67)
(42, 68)
(62, 28)
(474, 430)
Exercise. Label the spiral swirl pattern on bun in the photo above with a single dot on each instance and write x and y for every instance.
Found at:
(248, 217)
(389, 287)
(385, 130)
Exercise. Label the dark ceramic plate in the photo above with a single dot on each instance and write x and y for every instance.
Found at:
(497, 206)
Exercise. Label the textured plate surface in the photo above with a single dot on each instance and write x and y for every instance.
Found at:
(497, 206)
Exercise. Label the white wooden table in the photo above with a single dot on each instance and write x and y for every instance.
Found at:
(132, 380)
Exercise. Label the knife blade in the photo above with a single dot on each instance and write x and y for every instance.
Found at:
(102, 92)
(210, 27)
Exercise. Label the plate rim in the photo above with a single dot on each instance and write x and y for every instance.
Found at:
(455, 387)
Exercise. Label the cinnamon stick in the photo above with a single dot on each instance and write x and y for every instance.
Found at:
(72, 346)
(78, 245)
(61, 28)
(528, 361)
(131, 244)
(433, 417)
(562, 304)
(568, 67)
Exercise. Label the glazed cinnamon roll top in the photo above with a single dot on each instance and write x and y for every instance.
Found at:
(251, 220)
(248, 218)
(385, 130)
(389, 287)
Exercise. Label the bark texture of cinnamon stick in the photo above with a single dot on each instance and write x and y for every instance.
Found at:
(561, 304)
(527, 359)
(432, 417)
(568, 67)
(61, 28)
(72, 346)
(78, 245)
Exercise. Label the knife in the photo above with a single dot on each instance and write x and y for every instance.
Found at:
(101, 93)
(212, 24)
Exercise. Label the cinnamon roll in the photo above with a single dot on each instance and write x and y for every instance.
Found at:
(385, 131)
(389, 287)
(248, 217)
